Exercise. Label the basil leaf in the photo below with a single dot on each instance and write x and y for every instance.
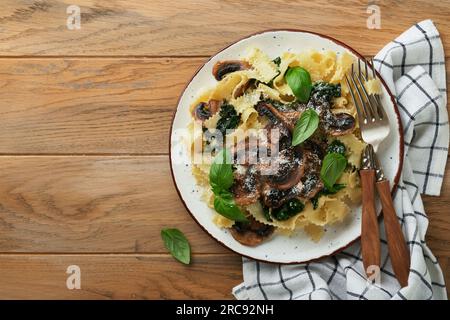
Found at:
(221, 172)
(221, 179)
(224, 204)
(306, 125)
(300, 83)
(333, 166)
(177, 244)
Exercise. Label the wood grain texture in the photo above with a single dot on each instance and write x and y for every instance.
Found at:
(119, 277)
(398, 250)
(370, 234)
(90, 106)
(438, 213)
(108, 91)
(191, 27)
(125, 276)
(91, 204)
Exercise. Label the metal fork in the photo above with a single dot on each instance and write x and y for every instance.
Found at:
(374, 125)
(372, 118)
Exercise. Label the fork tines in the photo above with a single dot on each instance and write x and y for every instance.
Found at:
(368, 106)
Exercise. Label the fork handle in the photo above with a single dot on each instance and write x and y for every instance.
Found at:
(370, 238)
(398, 251)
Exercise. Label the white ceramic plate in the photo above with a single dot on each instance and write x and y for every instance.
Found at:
(279, 249)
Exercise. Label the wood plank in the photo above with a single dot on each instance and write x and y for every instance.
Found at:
(437, 236)
(91, 204)
(91, 106)
(110, 204)
(124, 276)
(158, 27)
(444, 262)
(119, 277)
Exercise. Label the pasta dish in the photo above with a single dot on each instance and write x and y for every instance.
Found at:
(276, 144)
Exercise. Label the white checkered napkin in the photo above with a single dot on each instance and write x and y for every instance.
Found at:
(413, 67)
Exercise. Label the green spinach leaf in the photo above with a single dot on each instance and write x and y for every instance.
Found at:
(325, 90)
(229, 119)
(337, 146)
(288, 210)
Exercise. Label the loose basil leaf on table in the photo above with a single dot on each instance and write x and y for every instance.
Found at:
(333, 165)
(306, 125)
(177, 244)
(300, 83)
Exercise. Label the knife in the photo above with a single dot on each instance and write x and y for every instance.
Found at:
(398, 251)
(370, 237)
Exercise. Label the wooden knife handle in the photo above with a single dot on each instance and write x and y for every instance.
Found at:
(370, 237)
(398, 251)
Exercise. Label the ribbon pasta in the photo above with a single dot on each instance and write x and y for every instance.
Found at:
(268, 82)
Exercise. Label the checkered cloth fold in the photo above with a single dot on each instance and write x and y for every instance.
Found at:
(413, 68)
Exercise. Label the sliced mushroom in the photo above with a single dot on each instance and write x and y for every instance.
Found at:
(287, 169)
(340, 124)
(306, 187)
(273, 198)
(311, 183)
(278, 137)
(244, 154)
(310, 186)
(246, 187)
(205, 110)
(222, 68)
(317, 144)
(287, 117)
(251, 233)
(243, 87)
(334, 124)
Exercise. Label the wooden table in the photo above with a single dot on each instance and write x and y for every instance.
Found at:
(84, 128)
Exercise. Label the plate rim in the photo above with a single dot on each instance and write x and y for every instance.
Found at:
(394, 187)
